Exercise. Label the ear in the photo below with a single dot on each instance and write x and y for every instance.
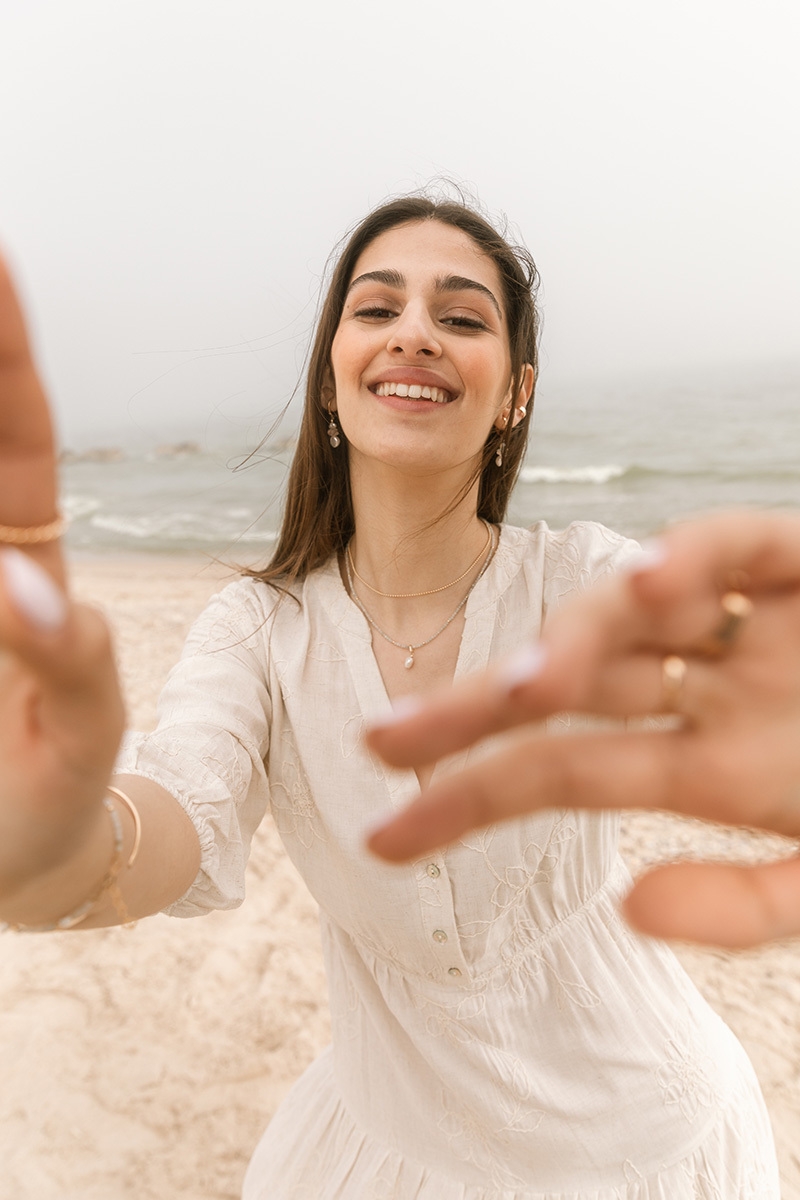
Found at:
(516, 404)
(329, 396)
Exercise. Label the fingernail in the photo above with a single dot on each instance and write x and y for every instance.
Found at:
(652, 553)
(32, 591)
(523, 666)
(402, 708)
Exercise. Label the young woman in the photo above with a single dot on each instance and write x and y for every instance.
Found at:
(498, 1032)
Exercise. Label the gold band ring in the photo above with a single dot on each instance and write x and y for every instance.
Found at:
(673, 674)
(34, 535)
(736, 609)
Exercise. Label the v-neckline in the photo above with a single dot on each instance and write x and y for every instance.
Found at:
(365, 673)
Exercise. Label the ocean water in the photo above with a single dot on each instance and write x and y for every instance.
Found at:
(632, 454)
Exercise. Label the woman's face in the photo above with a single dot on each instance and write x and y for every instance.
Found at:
(421, 359)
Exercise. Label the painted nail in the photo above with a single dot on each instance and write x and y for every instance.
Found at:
(652, 553)
(33, 592)
(522, 667)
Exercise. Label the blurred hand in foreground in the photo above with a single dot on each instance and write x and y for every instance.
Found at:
(61, 714)
(671, 634)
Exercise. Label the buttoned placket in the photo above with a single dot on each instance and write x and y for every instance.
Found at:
(439, 920)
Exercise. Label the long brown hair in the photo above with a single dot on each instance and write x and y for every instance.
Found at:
(318, 516)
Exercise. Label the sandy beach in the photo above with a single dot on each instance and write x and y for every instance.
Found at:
(144, 1064)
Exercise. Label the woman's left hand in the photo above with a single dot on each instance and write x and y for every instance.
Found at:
(732, 754)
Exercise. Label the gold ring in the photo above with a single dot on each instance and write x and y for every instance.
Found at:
(736, 609)
(673, 674)
(34, 535)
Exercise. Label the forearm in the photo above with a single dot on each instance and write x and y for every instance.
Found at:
(166, 863)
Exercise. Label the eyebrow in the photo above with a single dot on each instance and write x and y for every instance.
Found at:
(443, 283)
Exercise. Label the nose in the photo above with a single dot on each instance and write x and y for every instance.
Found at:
(414, 334)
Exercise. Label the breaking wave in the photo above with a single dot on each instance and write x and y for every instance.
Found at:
(597, 474)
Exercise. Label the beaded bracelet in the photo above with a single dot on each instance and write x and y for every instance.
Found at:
(107, 884)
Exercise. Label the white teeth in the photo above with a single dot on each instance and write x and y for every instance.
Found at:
(413, 391)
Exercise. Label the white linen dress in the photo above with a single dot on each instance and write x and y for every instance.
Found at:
(498, 1032)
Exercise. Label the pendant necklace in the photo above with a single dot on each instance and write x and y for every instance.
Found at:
(409, 663)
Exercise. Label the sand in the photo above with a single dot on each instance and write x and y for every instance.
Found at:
(144, 1064)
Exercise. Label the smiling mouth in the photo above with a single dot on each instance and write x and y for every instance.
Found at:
(414, 391)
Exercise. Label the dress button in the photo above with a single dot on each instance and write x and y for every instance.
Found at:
(439, 935)
(433, 871)
(454, 971)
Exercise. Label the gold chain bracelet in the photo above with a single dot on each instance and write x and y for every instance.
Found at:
(108, 884)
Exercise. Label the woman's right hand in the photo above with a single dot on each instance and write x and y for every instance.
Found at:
(61, 712)
(730, 753)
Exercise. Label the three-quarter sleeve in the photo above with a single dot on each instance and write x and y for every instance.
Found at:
(210, 746)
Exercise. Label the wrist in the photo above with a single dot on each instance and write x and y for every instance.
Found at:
(61, 889)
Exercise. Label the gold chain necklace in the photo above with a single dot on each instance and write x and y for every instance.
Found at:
(408, 664)
(432, 591)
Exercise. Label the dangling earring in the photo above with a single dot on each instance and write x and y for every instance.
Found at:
(498, 458)
(333, 429)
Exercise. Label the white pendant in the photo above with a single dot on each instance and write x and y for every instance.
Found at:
(408, 664)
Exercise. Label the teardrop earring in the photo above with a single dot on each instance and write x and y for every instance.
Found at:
(333, 430)
(498, 458)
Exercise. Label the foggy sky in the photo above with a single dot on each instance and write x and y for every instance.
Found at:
(173, 175)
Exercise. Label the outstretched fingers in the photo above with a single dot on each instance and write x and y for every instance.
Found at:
(752, 551)
(61, 714)
(603, 652)
(592, 771)
(66, 651)
(718, 903)
(28, 485)
(585, 668)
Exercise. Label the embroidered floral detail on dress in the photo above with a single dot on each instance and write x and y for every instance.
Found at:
(515, 1085)
(387, 952)
(513, 884)
(685, 1078)
(293, 805)
(471, 1141)
(453, 1021)
(326, 652)
(513, 888)
(525, 968)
